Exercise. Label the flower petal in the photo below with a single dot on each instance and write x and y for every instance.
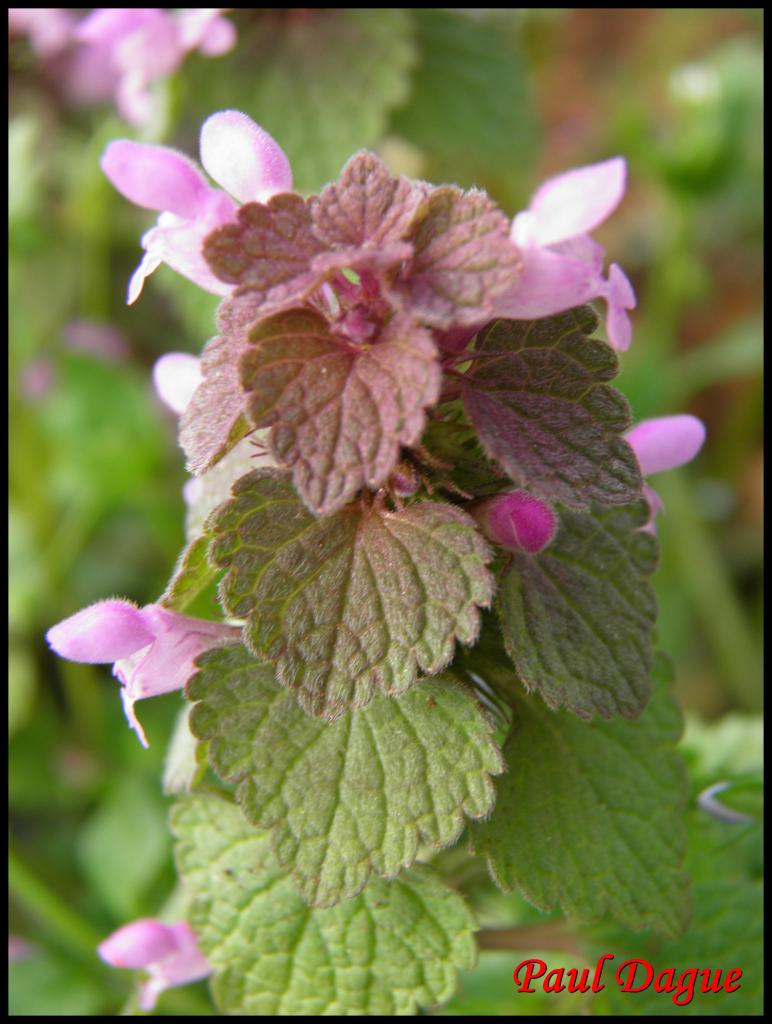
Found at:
(576, 202)
(156, 178)
(176, 376)
(666, 442)
(243, 158)
(139, 944)
(149, 262)
(180, 247)
(549, 283)
(101, 633)
(202, 28)
(167, 663)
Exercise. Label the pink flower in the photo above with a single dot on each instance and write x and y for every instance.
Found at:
(518, 521)
(153, 648)
(168, 952)
(123, 50)
(664, 443)
(236, 152)
(561, 265)
(49, 29)
(176, 376)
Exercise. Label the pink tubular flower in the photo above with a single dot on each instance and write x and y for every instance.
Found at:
(561, 265)
(518, 521)
(123, 50)
(664, 443)
(236, 152)
(168, 952)
(153, 648)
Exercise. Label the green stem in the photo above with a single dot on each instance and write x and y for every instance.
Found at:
(689, 546)
(63, 926)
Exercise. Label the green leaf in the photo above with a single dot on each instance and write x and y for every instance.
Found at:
(589, 816)
(339, 415)
(577, 618)
(287, 74)
(470, 110)
(359, 601)
(123, 845)
(541, 409)
(192, 574)
(393, 948)
(463, 258)
(401, 771)
(727, 932)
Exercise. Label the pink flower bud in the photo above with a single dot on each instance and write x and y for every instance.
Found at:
(518, 521)
(405, 480)
(168, 952)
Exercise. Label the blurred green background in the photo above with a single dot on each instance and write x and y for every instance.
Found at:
(500, 99)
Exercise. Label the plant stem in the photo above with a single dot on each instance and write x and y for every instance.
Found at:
(62, 924)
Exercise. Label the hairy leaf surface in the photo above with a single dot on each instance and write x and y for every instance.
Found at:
(214, 420)
(268, 252)
(589, 816)
(577, 618)
(361, 600)
(393, 948)
(541, 408)
(350, 797)
(463, 258)
(366, 206)
(339, 412)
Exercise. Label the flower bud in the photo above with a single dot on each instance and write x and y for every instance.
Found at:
(405, 480)
(518, 521)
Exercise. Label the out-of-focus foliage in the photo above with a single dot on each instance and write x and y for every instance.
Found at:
(501, 99)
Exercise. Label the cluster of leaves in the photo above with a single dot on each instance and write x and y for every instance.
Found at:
(349, 731)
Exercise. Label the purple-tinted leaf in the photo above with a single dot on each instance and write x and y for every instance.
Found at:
(463, 259)
(268, 253)
(367, 207)
(541, 409)
(359, 601)
(214, 419)
(339, 412)
(577, 619)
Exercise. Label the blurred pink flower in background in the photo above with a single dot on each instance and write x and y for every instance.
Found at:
(119, 52)
(101, 340)
(153, 648)
(237, 153)
(561, 265)
(18, 949)
(49, 29)
(168, 952)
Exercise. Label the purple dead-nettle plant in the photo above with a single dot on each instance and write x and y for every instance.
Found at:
(419, 497)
